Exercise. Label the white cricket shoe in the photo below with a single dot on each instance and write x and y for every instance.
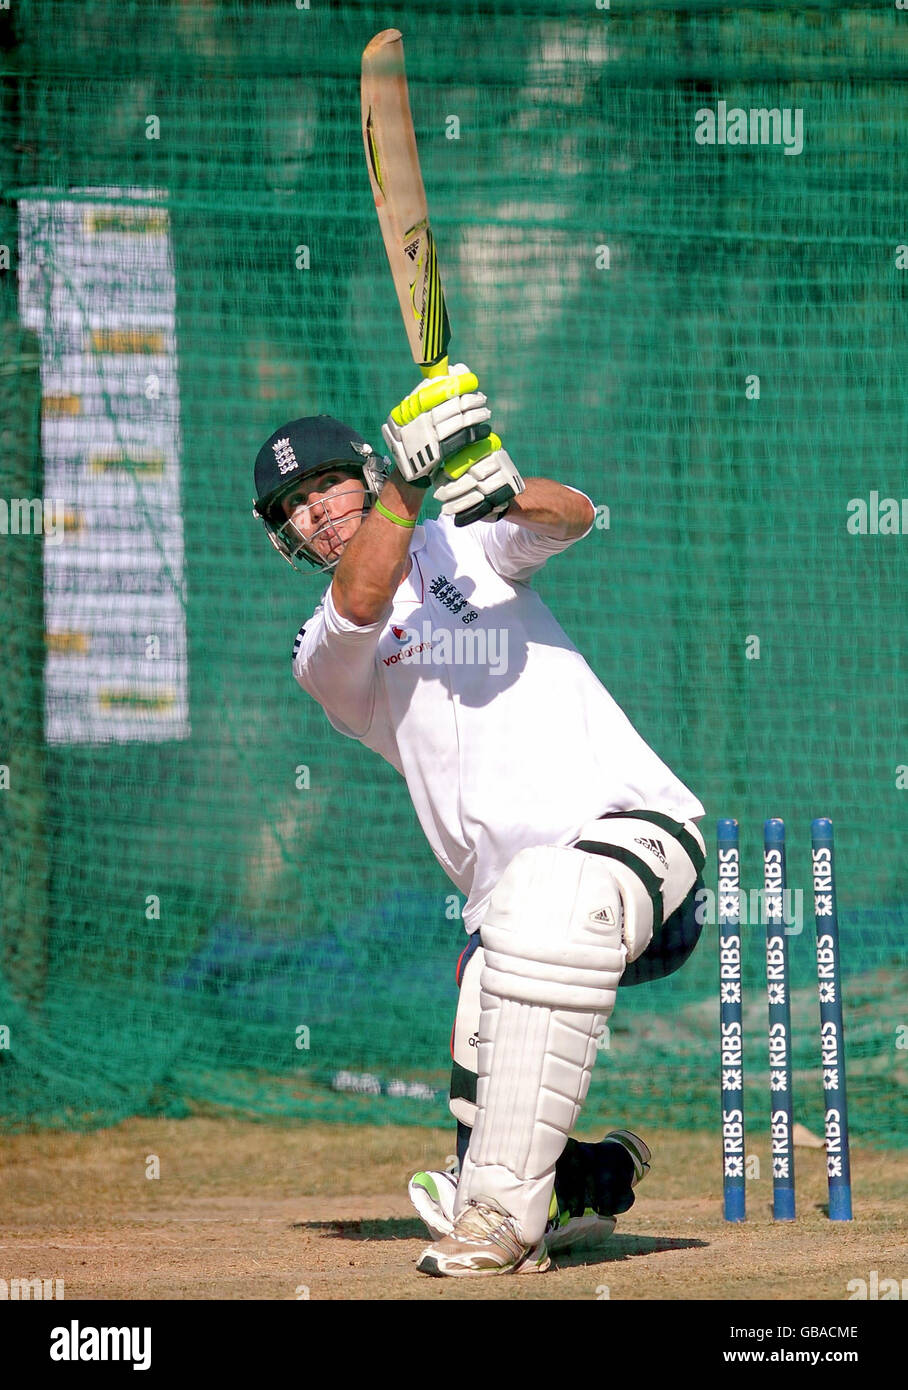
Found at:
(432, 1194)
(484, 1240)
(569, 1227)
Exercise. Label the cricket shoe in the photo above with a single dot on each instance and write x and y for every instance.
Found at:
(432, 1194)
(484, 1240)
(577, 1218)
(589, 1193)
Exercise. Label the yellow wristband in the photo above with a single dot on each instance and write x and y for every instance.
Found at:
(398, 520)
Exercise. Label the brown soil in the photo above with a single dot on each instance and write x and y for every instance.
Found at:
(257, 1211)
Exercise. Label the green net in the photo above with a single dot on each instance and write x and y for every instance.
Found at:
(210, 900)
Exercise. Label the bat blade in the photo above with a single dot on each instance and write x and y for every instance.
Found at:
(400, 200)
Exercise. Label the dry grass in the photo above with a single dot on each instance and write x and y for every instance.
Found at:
(255, 1211)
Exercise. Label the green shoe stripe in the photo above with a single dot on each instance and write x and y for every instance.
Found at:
(427, 1183)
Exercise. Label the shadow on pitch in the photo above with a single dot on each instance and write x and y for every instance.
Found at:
(624, 1248)
(410, 1228)
(389, 1228)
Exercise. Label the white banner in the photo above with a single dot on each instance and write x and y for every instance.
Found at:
(97, 284)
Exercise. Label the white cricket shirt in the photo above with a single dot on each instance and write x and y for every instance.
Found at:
(469, 687)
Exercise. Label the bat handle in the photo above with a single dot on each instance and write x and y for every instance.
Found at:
(439, 368)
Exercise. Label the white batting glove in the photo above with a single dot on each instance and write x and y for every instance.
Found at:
(437, 418)
(473, 489)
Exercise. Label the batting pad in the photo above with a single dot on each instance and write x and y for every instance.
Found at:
(654, 860)
(553, 959)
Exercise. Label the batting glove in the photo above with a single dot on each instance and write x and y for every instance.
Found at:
(478, 483)
(439, 417)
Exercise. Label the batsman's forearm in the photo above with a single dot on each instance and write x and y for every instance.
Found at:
(375, 560)
(550, 509)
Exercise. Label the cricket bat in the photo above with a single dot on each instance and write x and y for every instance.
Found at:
(400, 201)
(403, 215)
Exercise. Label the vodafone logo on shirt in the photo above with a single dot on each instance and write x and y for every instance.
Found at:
(402, 635)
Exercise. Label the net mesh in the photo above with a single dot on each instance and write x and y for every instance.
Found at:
(210, 900)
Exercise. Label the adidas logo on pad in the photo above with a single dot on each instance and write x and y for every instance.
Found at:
(655, 847)
(605, 914)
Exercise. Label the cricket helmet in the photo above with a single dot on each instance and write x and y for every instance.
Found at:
(300, 450)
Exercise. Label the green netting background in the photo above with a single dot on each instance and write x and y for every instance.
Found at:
(284, 910)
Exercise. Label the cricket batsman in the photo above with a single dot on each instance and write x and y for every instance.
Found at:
(576, 848)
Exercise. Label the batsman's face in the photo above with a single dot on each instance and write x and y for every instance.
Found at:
(326, 510)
